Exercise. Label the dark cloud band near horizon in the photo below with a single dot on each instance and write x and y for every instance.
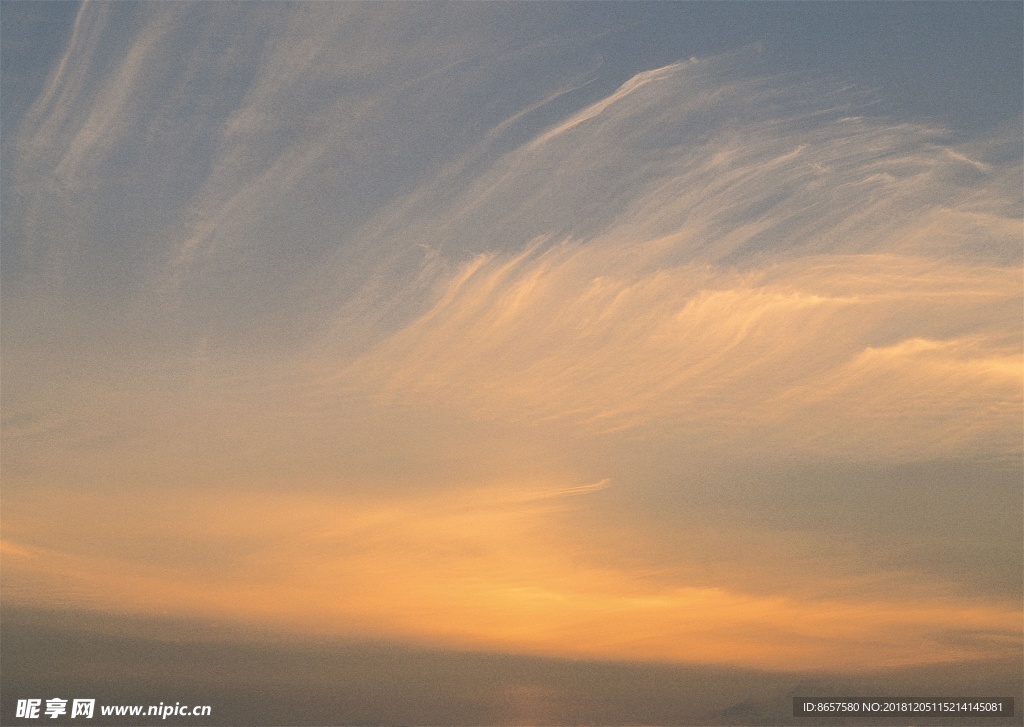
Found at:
(270, 681)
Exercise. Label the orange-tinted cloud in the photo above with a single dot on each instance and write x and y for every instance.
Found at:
(919, 354)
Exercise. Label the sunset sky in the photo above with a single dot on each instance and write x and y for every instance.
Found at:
(670, 334)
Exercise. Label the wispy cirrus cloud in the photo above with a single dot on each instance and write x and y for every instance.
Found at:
(574, 334)
(749, 277)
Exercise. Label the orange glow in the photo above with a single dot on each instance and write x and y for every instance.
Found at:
(487, 568)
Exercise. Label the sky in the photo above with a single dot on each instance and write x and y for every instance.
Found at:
(574, 336)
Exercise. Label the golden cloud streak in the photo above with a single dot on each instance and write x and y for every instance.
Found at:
(916, 352)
